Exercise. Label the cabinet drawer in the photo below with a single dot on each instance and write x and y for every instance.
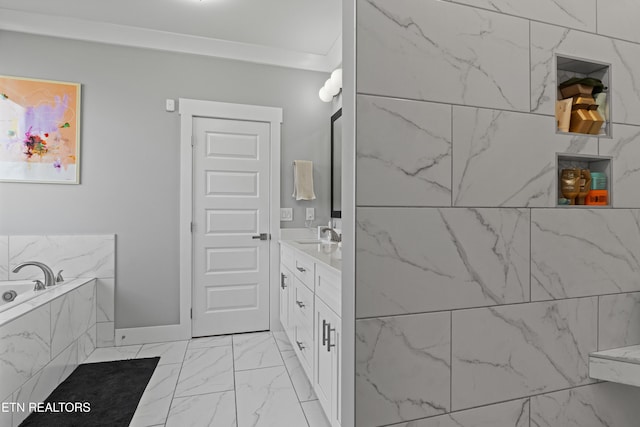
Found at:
(287, 257)
(305, 270)
(303, 346)
(329, 287)
(303, 306)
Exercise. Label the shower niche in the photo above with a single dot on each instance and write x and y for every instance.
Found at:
(596, 191)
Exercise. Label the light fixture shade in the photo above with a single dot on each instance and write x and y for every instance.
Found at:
(336, 77)
(324, 94)
(332, 87)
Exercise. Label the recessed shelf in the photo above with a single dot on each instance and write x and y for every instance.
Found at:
(568, 67)
(593, 163)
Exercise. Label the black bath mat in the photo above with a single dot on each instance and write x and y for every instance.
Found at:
(112, 391)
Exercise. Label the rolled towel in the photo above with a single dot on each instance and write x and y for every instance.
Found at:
(303, 180)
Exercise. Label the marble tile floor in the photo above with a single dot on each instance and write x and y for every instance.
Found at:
(243, 380)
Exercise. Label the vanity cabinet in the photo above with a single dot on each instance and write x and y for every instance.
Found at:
(327, 372)
(310, 298)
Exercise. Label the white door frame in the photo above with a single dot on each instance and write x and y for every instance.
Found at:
(188, 109)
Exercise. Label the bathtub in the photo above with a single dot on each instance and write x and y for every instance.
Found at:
(23, 289)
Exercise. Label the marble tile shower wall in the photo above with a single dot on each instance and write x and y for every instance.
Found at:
(477, 300)
(78, 256)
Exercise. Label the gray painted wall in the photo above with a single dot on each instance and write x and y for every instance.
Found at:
(130, 164)
(478, 301)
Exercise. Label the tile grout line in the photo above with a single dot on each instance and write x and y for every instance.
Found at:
(235, 390)
(286, 369)
(173, 395)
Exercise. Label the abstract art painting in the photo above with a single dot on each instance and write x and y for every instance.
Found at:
(39, 131)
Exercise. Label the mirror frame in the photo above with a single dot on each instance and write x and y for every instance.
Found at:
(334, 213)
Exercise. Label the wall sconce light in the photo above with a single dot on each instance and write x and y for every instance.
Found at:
(332, 86)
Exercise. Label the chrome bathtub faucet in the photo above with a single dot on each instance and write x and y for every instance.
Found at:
(49, 277)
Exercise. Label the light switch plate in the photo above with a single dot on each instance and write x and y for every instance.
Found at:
(286, 214)
(311, 214)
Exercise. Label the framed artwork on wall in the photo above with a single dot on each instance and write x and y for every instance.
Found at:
(39, 131)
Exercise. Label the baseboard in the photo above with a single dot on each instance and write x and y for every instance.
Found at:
(152, 334)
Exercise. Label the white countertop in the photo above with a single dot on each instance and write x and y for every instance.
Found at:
(327, 253)
(619, 365)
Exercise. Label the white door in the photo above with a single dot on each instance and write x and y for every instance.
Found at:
(231, 209)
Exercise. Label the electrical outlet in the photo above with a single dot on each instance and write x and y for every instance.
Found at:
(286, 214)
(311, 214)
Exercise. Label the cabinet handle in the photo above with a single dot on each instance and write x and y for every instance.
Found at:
(300, 304)
(324, 332)
(329, 330)
(300, 346)
(301, 269)
(282, 278)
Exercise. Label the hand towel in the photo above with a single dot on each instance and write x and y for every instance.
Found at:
(303, 180)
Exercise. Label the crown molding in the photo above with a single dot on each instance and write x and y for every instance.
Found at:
(78, 29)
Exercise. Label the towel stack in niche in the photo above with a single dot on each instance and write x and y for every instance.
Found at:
(585, 117)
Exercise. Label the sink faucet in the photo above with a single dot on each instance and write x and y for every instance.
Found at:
(335, 237)
(49, 278)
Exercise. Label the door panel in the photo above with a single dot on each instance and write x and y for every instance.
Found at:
(231, 206)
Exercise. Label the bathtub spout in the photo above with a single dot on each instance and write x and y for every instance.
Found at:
(49, 278)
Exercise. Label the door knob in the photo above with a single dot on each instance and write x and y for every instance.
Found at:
(262, 236)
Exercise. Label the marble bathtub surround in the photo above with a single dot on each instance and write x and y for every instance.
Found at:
(584, 252)
(514, 351)
(416, 54)
(502, 158)
(402, 368)
(447, 258)
(46, 340)
(619, 320)
(78, 256)
(405, 151)
(623, 56)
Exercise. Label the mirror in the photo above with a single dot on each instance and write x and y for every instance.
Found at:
(336, 164)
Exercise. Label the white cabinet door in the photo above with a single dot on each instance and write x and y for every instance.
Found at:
(327, 373)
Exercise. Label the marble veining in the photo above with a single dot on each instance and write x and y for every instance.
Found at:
(509, 414)
(617, 19)
(402, 368)
(584, 252)
(105, 290)
(624, 147)
(154, 405)
(508, 352)
(78, 256)
(404, 151)
(623, 57)
(439, 51)
(619, 320)
(24, 348)
(630, 354)
(215, 409)
(206, 370)
(265, 397)
(507, 159)
(597, 405)
(447, 258)
(71, 315)
(299, 378)
(579, 14)
(251, 351)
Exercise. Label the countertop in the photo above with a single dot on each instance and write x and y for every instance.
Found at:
(327, 253)
(619, 365)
